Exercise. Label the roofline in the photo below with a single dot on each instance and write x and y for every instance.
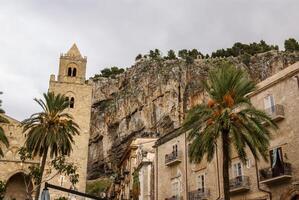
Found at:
(168, 136)
(10, 118)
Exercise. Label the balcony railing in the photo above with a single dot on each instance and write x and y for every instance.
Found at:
(200, 194)
(276, 112)
(277, 174)
(172, 158)
(239, 184)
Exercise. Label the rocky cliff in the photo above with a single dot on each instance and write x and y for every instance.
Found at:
(150, 99)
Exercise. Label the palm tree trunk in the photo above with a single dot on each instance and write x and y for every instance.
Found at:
(225, 164)
(42, 168)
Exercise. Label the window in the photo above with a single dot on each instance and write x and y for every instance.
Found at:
(276, 157)
(72, 102)
(269, 103)
(61, 180)
(69, 71)
(237, 169)
(175, 149)
(201, 182)
(175, 188)
(74, 72)
(248, 163)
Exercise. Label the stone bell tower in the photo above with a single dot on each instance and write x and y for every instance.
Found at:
(71, 82)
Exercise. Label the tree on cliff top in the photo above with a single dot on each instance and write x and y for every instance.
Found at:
(230, 117)
(239, 49)
(291, 45)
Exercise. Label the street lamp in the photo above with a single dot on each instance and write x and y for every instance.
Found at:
(45, 194)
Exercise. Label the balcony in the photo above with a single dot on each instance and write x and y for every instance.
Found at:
(276, 112)
(172, 158)
(239, 184)
(200, 194)
(276, 175)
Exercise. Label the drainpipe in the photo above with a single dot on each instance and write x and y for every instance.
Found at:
(186, 171)
(297, 77)
(218, 178)
(258, 182)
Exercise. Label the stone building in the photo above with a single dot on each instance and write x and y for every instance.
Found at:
(136, 170)
(278, 179)
(71, 82)
(12, 169)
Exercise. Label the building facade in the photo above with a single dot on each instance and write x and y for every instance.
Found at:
(278, 179)
(12, 169)
(136, 171)
(71, 82)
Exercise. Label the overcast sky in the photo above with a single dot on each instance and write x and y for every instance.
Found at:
(113, 32)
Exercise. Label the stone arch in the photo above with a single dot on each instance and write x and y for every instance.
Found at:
(70, 96)
(292, 194)
(72, 69)
(16, 187)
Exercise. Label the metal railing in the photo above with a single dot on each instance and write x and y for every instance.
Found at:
(199, 194)
(239, 182)
(273, 172)
(172, 157)
(276, 110)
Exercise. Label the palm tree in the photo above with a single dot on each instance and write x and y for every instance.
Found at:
(51, 130)
(3, 138)
(230, 117)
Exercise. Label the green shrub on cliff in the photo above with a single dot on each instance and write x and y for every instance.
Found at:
(291, 45)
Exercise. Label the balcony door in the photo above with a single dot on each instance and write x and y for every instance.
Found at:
(175, 189)
(269, 104)
(237, 169)
(277, 161)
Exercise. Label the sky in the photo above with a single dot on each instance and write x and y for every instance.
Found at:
(113, 32)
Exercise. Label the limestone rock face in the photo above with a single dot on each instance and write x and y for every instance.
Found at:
(150, 99)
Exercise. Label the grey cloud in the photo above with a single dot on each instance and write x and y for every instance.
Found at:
(113, 32)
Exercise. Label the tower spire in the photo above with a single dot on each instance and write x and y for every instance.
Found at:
(74, 51)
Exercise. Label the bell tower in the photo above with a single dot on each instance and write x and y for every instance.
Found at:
(72, 83)
(72, 66)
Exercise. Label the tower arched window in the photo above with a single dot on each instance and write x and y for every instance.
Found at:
(69, 71)
(72, 102)
(74, 72)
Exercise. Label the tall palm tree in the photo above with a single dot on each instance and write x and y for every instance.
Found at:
(50, 131)
(228, 117)
(3, 138)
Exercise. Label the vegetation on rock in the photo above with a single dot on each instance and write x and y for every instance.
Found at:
(109, 73)
(291, 45)
(239, 49)
(98, 186)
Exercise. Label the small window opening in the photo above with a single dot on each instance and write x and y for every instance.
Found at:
(69, 71)
(72, 102)
(74, 72)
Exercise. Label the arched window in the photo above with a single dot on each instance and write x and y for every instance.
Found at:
(74, 72)
(69, 71)
(72, 102)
